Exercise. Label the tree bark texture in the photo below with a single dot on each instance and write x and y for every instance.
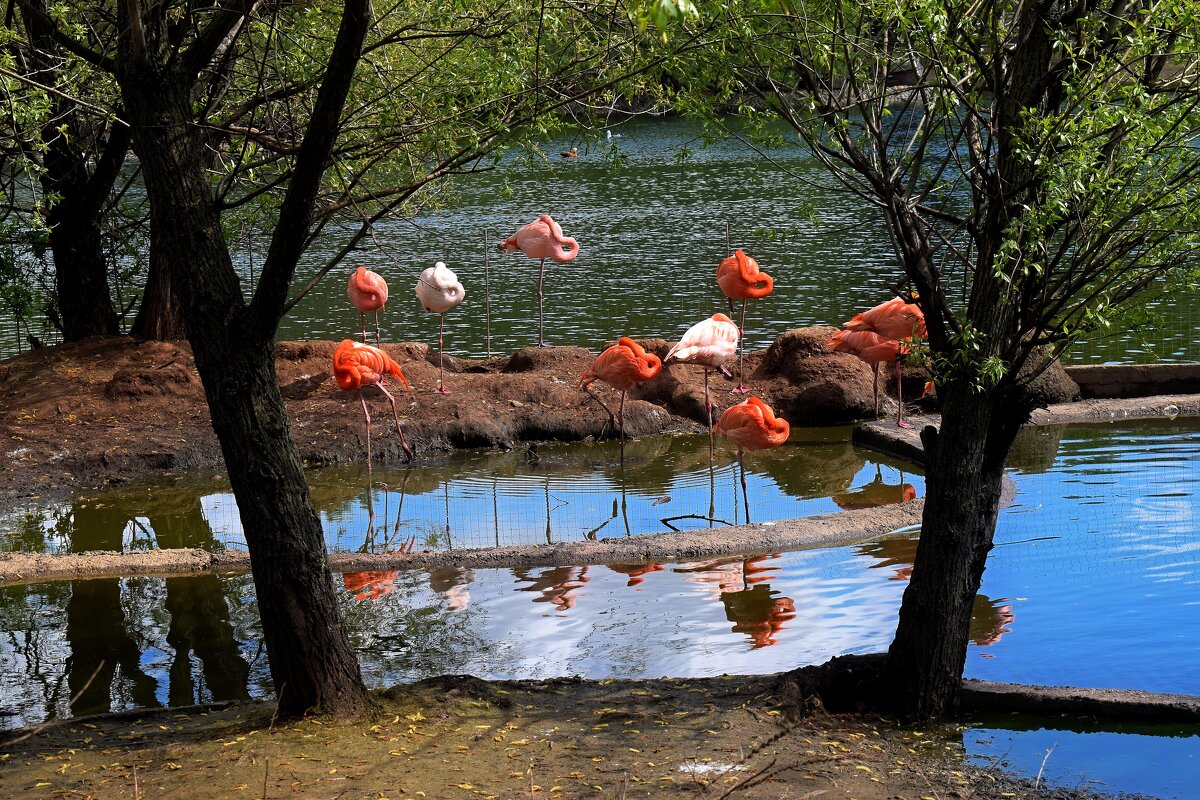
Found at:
(160, 317)
(923, 677)
(312, 663)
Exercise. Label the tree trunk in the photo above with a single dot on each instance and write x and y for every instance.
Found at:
(312, 663)
(923, 676)
(81, 272)
(160, 317)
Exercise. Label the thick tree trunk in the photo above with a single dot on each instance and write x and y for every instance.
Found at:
(160, 317)
(923, 676)
(81, 272)
(312, 663)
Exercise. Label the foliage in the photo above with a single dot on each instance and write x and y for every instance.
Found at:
(1035, 163)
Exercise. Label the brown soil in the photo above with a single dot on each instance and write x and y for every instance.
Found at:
(112, 409)
(109, 410)
(463, 738)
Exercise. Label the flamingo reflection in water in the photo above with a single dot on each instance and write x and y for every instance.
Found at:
(453, 584)
(556, 585)
(990, 619)
(636, 571)
(876, 493)
(370, 585)
(750, 603)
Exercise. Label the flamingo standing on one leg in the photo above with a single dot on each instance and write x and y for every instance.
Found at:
(356, 365)
(543, 238)
(752, 425)
(900, 322)
(740, 279)
(368, 292)
(874, 350)
(710, 344)
(439, 291)
(622, 366)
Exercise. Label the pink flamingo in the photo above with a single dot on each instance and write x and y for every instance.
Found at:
(356, 365)
(740, 279)
(439, 291)
(368, 292)
(752, 425)
(622, 366)
(894, 319)
(543, 238)
(709, 343)
(874, 350)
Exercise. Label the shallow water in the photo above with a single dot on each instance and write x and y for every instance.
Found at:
(535, 495)
(1092, 582)
(650, 212)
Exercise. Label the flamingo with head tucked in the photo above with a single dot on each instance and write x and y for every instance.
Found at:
(439, 291)
(622, 366)
(740, 279)
(368, 292)
(543, 238)
(893, 320)
(875, 349)
(709, 343)
(356, 365)
(752, 425)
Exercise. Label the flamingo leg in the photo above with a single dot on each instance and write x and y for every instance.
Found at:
(362, 318)
(621, 424)
(612, 420)
(396, 414)
(875, 369)
(741, 388)
(541, 275)
(441, 383)
(900, 423)
(378, 338)
(366, 414)
(708, 408)
(745, 492)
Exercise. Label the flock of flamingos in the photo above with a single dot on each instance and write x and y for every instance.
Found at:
(879, 335)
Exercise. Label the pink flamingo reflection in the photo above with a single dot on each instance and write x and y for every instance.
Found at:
(453, 584)
(370, 585)
(556, 585)
(757, 612)
(741, 586)
(636, 571)
(990, 619)
(876, 493)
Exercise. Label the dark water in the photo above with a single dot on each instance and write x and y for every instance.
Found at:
(1093, 582)
(650, 212)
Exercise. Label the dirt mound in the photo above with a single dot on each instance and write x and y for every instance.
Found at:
(173, 380)
(115, 408)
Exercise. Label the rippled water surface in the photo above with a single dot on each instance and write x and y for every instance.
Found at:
(1093, 582)
(650, 212)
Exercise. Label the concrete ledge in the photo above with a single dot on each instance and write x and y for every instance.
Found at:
(827, 530)
(883, 435)
(1125, 705)
(1135, 380)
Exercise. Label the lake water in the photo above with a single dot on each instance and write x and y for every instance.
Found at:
(1093, 582)
(650, 212)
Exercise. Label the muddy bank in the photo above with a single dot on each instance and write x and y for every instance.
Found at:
(109, 410)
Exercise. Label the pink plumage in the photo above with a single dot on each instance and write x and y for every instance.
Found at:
(709, 343)
(894, 319)
(367, 290)
(542, 238)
